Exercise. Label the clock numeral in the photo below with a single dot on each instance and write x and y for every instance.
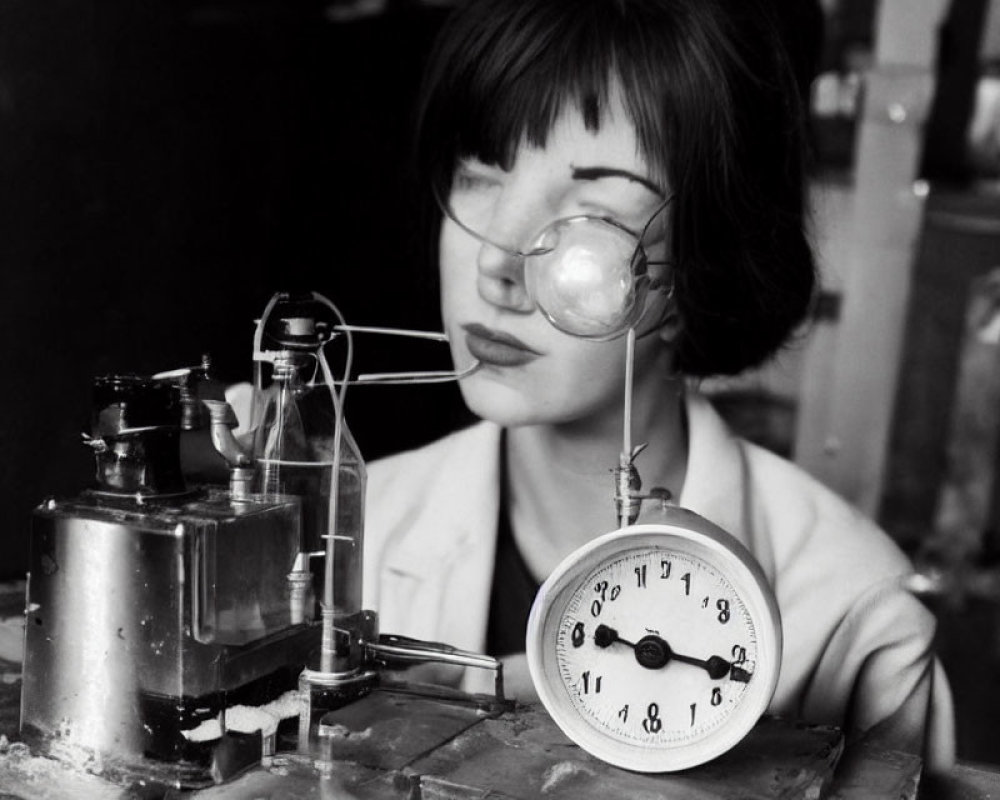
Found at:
(740, 674)
(686, 577)
(652, 723)
(595, 608)
(664, 569)
(640, 576)
(739, 671)
(723, 606)
(694, 707)
(578, 635)
(716, 696)
(602, 588)
(587, 684)
(704, 602)
(623, 713)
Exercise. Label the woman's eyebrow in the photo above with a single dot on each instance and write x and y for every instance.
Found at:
(596, 173)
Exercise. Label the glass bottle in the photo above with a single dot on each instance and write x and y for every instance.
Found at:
(302, 447)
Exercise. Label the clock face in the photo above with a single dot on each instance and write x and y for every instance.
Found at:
(656, 647)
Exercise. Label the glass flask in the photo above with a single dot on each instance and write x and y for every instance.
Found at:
(303, 448)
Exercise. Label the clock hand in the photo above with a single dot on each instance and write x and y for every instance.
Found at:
(605, 636)
(716, 666)
(653, 652)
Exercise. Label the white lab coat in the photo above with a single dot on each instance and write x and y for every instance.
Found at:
(857, 645)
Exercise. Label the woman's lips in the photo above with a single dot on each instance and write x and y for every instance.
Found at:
(497, 348)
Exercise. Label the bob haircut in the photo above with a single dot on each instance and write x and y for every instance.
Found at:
(709, 88)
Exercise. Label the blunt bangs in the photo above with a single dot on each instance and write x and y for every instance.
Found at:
(515, 66)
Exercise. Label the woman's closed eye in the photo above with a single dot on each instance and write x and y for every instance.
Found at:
(474, 193)
(469, 183)
(621, 206)
(475, 177)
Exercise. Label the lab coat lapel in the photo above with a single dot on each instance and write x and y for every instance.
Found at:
(442, 563)
(718, 482)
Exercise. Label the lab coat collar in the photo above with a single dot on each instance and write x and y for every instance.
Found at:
(464, 494)
(716, 484)
(462, 497)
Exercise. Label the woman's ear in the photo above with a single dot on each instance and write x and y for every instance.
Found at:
(670, 327)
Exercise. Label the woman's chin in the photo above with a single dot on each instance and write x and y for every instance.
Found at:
(497, 402)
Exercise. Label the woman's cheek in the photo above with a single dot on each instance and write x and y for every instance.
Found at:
(457, 271)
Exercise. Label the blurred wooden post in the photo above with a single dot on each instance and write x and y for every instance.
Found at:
(966, 498)
(842, 434)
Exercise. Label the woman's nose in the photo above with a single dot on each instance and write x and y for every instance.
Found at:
(501, 262)
(500, 278)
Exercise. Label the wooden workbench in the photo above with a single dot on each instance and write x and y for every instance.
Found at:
(384, 748)
(388, 747)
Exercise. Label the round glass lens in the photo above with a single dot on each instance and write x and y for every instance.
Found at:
(584, 282)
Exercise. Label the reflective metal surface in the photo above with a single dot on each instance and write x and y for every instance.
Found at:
(144, 620)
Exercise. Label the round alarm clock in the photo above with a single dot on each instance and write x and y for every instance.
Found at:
(656, 647)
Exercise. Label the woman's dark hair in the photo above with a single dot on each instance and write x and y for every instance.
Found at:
(709, 89)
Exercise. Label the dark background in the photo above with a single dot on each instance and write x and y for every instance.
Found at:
(165, 167)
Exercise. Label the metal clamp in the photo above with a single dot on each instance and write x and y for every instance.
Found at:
(392, 648)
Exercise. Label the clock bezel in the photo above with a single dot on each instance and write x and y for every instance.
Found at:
(686, 532)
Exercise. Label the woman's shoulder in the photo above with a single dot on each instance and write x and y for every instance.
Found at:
(815, 532)
(791, 520)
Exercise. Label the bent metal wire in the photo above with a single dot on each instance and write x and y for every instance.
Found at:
(335, 326)
(588, 275)
(422, 376)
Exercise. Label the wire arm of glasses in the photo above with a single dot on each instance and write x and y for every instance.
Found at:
(390, 378)
(397, 378)
(435, 336)
(447, 210)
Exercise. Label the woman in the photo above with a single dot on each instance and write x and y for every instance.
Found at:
(676, 123)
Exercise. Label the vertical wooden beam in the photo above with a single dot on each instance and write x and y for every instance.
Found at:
(848, 452)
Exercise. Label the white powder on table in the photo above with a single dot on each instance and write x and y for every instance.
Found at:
(248, 719)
